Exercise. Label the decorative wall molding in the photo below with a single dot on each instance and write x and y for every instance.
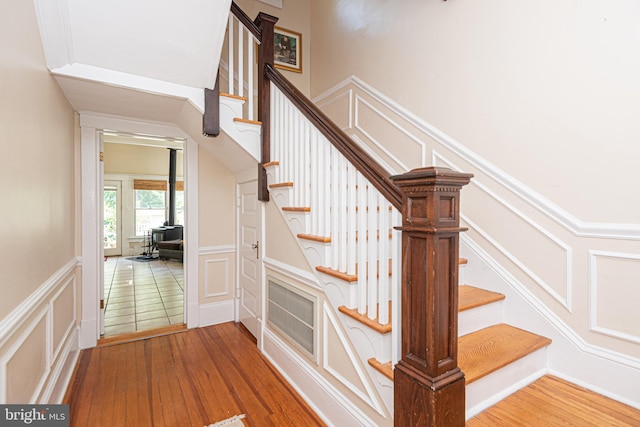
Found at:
(216, 250)
(574, 225)
(576, 340)
(370, 397)
(293, 273)
(208, 291)
(40, 314)
(594, 257)
(565, 299)
(18, 316)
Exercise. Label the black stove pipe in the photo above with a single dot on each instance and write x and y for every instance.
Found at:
(172, 186)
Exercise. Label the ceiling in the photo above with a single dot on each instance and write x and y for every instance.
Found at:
(148, 60)
(166, 40)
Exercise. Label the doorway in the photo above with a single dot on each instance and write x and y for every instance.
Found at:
(249, 253)
(144, 214)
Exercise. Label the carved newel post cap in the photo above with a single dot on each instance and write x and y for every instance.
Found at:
(432, 175)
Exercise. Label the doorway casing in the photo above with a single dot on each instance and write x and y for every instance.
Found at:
(91, 127)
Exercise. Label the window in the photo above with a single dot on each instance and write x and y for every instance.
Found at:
(150, 204)
(150, 209)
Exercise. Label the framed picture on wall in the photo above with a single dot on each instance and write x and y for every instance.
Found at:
(287, 50)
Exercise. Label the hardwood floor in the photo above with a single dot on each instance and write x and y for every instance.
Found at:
(551, 402)
(191, 378)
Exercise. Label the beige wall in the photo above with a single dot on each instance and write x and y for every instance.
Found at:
(38, 181)
(139, 160)
(548, 92)
(37, 164)
(216, 230)
(545, 91)
(294, 16)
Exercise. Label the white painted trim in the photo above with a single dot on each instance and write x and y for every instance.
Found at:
(370, 397)
(91, 124)
(593, 294)
(328, 402)
(131, 81)
(227, 284)
(564, 300)
(62, 370)
(556, 213)
(558, 324)
(216, 250)
(55, 31)
(216, 312)
(192, 239)
(22, 312)
(293, 273)
(596, 389)
(54, 353)
(6, 357)
(472, 412)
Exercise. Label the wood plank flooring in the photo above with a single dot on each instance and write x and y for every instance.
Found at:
(551, 402)
(191, 378)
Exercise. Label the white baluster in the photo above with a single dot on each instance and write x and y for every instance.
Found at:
(241, 59)
(372, 248)
(383, 244)
(251, 60)
(351, 219)
(362, 245)
(231, 54)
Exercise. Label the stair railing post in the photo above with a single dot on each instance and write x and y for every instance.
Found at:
(429, 387)
(266, 24)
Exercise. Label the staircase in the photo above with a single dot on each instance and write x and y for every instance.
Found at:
(344, 223)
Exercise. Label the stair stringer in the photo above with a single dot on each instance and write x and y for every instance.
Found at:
(245, 135)
(367, 342)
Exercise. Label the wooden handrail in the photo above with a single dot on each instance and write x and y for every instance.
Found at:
(364, 163)
(246, 21)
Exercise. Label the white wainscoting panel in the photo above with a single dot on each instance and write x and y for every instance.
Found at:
(39, 342)
(612, 311)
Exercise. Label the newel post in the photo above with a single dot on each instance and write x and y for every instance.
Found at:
(429, 385)
(266, 24)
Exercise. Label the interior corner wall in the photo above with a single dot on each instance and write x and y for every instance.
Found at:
(294, 16)
(38, 180)
(216, 234)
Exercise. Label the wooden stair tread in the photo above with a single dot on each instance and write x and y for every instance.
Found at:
(313, 238)
(551, 401)
(281, 185)
(247, 121)
(350, 278)
(384, 368)
(296, 209)
(471, 297)
(487, 350)
(364, 319)
(228, 95)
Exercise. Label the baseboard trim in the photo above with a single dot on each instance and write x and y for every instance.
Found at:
(216, 312)
(330, 405)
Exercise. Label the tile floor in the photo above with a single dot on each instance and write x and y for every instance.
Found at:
(142, 295)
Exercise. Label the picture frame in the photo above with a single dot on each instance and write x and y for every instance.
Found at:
(287, 50)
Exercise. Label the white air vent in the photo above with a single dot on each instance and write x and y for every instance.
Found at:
(293, 312)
